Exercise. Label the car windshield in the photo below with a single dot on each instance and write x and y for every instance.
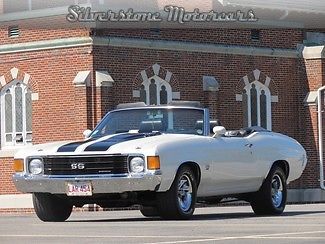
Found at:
(147, 120)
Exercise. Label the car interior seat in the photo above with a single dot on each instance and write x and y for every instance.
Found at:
(149, 126)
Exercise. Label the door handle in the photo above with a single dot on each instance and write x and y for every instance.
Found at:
(249, 145)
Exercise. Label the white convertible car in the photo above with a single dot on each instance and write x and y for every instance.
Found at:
(163, 158)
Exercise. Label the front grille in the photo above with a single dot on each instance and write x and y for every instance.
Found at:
(85, 165)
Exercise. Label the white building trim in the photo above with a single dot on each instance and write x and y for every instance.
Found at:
(82, 78)
(147, 44)
(315, 52)
(311, 98)
(103, 78)
(46, 45)
(261, 87)
(160, 82)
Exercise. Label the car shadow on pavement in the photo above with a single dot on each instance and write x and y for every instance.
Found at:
(200, 217)
(244, 215)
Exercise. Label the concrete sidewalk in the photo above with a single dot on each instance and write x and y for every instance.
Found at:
(16, 201)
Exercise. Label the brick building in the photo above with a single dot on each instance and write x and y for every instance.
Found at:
(57, 82)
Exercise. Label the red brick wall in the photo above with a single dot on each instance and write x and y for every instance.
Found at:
(189, 68)
(6, 171)
(37, 34)
(61, 111)
(310, 79)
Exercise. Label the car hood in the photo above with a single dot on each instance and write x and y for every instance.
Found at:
(124, 143)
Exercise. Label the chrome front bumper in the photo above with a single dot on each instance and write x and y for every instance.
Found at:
(57, 185)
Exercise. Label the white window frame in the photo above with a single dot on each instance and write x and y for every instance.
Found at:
(13, 144)
(159, 83)
(259, 87)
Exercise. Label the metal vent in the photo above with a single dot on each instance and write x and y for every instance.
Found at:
(255, 35)
(13, 31)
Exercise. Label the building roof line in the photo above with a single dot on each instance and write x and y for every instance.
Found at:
(158, 45)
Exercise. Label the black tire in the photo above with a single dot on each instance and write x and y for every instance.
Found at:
(268, 201)
(50, 208)
(149, 211)
(169, 203)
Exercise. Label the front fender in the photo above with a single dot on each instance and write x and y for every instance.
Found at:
(173, 158)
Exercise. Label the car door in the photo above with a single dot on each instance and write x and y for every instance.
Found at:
(233, 167)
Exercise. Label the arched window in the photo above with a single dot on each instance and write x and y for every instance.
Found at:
(16, 114)
(155, 91)
(256, 98)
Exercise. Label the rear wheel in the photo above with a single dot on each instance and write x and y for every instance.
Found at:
(179, 201)
(271, 198)
(50, 208)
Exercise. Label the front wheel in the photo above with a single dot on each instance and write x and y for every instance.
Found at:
(271, 198)
(179, 201)
(50, 208)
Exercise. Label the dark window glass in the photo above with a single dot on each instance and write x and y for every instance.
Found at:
(28, 102)
(19, 108)
(253, 105)
(143, 94)
(178, 121)
(163, 95)
(263, 108)
(8, 112)
(153, 92)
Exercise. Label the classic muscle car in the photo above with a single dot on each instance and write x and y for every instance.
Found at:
(164, 159)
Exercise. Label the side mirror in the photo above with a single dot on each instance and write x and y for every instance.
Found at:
(86, 133)
(218, 131)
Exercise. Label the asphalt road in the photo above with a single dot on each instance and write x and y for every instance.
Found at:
(299, 224)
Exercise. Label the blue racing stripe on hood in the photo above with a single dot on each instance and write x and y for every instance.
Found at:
(106, 144)
(71, 147)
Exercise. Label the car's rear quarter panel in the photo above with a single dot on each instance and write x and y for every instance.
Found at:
(271, 147)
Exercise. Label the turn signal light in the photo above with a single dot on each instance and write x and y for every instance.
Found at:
(153, 162)
(18, 165)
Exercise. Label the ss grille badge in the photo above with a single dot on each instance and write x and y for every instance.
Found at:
(75, 166)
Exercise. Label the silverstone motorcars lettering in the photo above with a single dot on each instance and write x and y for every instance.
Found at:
(173, 14)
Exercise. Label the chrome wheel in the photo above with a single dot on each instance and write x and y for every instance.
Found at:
(277, 190)
(272, 196)
(179, 201)
(184, 194)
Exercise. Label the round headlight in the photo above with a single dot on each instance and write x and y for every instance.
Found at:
(36, 166)
(137, 165)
